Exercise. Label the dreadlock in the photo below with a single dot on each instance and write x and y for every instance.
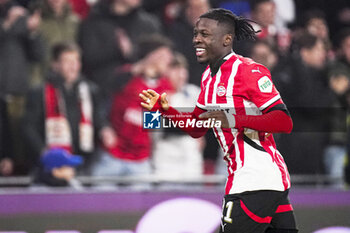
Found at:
(237, 25)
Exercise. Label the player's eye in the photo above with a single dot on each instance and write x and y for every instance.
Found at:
(205, 34)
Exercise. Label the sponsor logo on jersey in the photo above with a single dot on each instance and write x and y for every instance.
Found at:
(265, 84)
(221, 91)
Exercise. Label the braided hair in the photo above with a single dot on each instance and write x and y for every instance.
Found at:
(236, 25)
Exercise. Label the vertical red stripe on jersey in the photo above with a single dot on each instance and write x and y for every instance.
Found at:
(240, 110)
(231, 163)
(218, 137)
(230, 147)
(211, 89)
(204, 86)
(283, 171)
(286, 169)
(276, 159)
(228, 137)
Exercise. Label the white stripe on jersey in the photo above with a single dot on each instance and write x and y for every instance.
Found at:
(251, 108)
(207, 91)
(229, 56)
(231, 82)
(217, 80)
(229, 163)
(271, 101)
(201, 106)
(222, 139)
(206, 75)
(239, 162)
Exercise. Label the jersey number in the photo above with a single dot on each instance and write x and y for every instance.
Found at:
(229, 206)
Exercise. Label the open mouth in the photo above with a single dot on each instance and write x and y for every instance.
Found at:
(200, 51)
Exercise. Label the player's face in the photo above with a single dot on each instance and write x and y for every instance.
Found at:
(208, 40)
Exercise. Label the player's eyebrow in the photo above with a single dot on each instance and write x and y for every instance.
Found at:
(204, 30)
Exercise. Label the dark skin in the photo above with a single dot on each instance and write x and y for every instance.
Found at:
(212, 42)
(209, 35)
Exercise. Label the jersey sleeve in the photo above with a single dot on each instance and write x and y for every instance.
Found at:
(260, 88)
(200, 101)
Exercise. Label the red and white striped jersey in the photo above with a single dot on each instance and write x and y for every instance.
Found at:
(244, 87)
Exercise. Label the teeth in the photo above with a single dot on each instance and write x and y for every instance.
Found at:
(199, 49)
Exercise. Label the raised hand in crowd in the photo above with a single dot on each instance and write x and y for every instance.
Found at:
(34, 21)
(13, 15)
(124, 42)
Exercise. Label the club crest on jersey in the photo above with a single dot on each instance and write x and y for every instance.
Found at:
(265, 84)
(221, 91)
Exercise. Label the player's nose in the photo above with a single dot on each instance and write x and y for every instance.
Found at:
(196, 40)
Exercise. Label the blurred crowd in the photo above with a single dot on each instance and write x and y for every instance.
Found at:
(71, 72)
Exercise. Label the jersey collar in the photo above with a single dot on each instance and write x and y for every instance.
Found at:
(216, 67)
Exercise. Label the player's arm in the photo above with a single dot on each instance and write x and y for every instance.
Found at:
(273, 120)
(259, 89)
(152, 101)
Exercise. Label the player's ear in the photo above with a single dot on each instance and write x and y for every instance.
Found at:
(228, 39)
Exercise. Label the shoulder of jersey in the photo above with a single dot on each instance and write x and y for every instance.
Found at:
(254, 69)
(257, 73)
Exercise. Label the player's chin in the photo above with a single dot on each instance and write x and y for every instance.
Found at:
(202, 60)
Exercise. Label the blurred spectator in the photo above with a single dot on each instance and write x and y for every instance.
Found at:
(20, 45)
(165, 10)
(305, 90)
(131, 154)
(20, 40)
(65, 111)
(340, 69)
(264, 14)
(80, 7)
(285, 13)
(108, 36)
(343, 54)
(181, 33)
(263, 53)
(315, 23)
(58, 169)
(6, 162)
(58, 24)
(334, 156)
(176, 154)
(337, 13)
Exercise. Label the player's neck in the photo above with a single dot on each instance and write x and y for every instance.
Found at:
(214, 66)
